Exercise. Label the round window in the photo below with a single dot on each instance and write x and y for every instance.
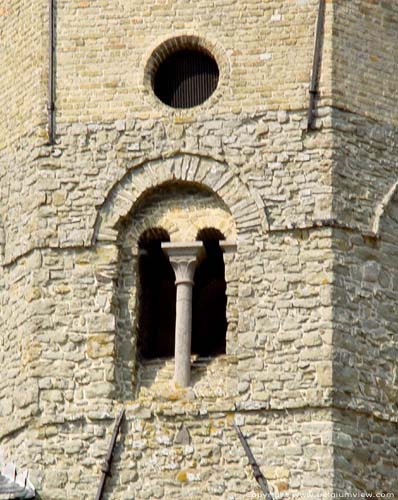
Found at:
(186, 78)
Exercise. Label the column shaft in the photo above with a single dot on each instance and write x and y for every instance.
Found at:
(183, 258)
(183, 332)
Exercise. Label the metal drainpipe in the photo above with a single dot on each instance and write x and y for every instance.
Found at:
(316, 64)
(51, 72)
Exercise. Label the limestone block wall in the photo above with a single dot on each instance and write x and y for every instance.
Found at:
(20, 348)
(366, 276)
(365, 117)
(365, 454)
(21, 198)
(278, 345)
(300, 291)
(364, 295)
(151, 463)
(216, 468)
(80, 371)
(278, 358)
(365, 353)
(108, 119)
(365, 168)
(288, 172)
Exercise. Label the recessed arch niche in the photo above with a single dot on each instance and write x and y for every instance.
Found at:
(179, 211)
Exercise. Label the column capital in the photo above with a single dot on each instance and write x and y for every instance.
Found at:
(183, 259)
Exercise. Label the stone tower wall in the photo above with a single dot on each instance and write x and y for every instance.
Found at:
(70, 212)
(364, 296)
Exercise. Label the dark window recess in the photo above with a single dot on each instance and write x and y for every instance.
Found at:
(209, 323)
(186, 78)
(156, 317)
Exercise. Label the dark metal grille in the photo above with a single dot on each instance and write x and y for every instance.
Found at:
(186, 78)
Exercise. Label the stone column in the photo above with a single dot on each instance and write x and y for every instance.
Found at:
(183, 258)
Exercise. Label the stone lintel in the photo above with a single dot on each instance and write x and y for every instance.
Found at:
(182, 249)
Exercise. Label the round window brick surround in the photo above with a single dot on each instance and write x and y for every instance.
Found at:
(185, 72)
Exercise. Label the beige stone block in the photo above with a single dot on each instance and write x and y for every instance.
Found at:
(33, 294)
(100, 346)
(59, 198)
(276, 473)
(324, 373)
(99, 390)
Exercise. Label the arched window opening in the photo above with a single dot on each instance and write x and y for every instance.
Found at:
(156, 317)
(209, 323)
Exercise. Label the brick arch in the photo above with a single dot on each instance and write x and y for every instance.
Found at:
(246, 207)
(382, 208)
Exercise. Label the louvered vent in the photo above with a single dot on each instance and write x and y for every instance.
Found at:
(186, 78)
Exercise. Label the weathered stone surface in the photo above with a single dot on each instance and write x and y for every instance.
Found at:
(310, 365)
